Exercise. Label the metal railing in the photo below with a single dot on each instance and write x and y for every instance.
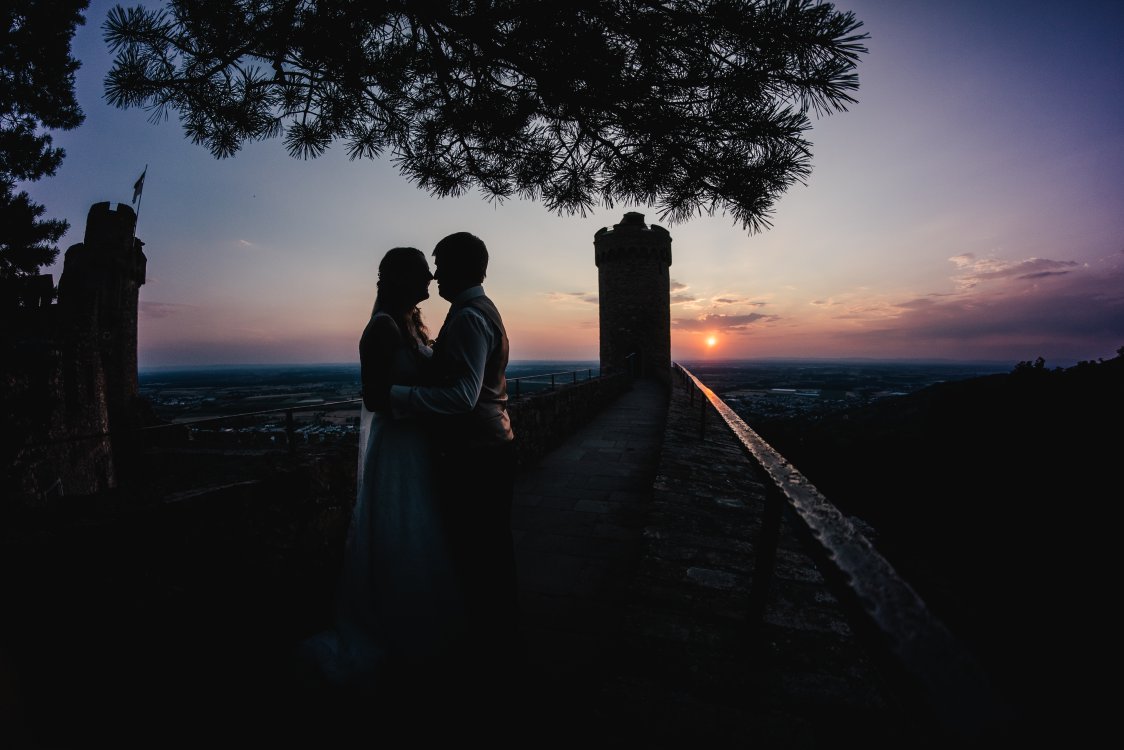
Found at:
(887, 611)
(224, 417)
(547, 381)
(290, 422)
(518, 387)
(524, 385)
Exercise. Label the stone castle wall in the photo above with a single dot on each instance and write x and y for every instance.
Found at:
(70, 371)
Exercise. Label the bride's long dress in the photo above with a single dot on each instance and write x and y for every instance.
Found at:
(399, 607)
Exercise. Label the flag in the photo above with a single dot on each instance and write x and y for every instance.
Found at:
(138, 186)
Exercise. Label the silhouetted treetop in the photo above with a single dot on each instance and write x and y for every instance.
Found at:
(690, 106)
(36, 94)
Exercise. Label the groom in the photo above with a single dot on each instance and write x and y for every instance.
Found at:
(467, 407)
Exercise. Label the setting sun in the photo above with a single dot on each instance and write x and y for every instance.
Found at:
(711, 341)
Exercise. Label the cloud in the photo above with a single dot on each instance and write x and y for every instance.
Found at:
(972, 272)
(585, 297)
(681, 299)
(1077, 313)
(155, 310)
(720, 323)
(863, 308)
(743, 301)
(1043, 274)
(876, 311)
(689, 299)
(921, 303)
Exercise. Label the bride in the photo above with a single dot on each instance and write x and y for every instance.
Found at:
(398, 605)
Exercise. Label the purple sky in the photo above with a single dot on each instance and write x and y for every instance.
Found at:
(970, 206)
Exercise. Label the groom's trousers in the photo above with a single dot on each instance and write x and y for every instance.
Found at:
(479, 482)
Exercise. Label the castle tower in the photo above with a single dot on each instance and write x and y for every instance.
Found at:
(634, 287)
(98, 296)
(99, 290)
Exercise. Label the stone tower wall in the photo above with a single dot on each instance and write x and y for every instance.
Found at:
(99, 293)
(70, 380)
(634, 290)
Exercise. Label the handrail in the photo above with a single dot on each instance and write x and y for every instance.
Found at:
(515, 392)
(951, 681)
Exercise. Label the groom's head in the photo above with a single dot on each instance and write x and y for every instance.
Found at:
(461, 261)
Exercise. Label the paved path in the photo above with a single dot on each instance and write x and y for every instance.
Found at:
(636, 543)
(578, 520)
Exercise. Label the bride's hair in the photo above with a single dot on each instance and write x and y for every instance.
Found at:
(399, 269)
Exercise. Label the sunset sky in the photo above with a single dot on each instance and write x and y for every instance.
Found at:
(969, 207)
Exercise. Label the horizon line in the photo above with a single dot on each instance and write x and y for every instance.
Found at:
(692, 361)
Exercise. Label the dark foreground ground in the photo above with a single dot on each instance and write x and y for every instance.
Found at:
(175, 624)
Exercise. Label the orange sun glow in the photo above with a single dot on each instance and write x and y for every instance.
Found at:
(711, 341)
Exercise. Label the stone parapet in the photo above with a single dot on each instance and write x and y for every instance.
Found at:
(545, 419)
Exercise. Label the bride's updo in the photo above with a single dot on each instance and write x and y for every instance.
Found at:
(403, 282)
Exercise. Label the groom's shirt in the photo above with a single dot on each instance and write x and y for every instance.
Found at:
(472, 351)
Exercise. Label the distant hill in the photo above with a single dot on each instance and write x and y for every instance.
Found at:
(1005, 431)
(993, 496)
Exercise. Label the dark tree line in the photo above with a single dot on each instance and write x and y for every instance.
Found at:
(993, 496)
(36, 95)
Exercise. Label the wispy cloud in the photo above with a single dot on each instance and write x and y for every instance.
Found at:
(563, 297)
(155, 310)
(972, 271)
(1076, 312)
(721, 323)
(742, 301)
(869, 311)
(678, 295)
(722, 302)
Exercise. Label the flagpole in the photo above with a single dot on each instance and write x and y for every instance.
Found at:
(138, 196)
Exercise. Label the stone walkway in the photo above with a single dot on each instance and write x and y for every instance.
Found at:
(636, 543)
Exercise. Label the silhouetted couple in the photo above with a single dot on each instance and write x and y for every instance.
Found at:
(428, 594)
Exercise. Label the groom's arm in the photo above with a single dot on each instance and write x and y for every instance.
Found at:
(465, 343)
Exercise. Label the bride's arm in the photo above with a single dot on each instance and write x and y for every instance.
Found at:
(376, 353)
